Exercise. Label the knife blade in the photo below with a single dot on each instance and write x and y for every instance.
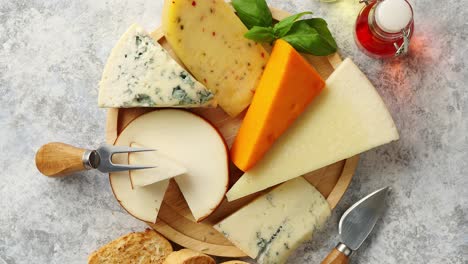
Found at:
(356, 224)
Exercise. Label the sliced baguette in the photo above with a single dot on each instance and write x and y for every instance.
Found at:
(146, 247)
(235, 262)
(188, 256)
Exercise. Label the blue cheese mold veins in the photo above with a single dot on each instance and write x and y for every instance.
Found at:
(140, 73)
(277, 222)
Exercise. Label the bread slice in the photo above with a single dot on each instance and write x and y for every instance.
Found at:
(146, 247)
(188, 256)
(235, 262)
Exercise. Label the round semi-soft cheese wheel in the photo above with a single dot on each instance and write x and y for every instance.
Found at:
(181, 136)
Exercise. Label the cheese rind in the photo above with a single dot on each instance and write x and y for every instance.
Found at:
(140, 73)
(164, 167)
(347, 118)
(209, 39)
(276, 223)
(142, 203)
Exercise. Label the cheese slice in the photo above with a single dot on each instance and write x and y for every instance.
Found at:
(142, 203)
(209, 39)
(271, 227)
(164, 167)
(140, 73)
(347, 118)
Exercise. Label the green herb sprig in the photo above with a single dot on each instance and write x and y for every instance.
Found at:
(305, 35)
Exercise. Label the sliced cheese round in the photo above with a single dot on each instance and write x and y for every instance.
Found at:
(194, 143)
(164, 167)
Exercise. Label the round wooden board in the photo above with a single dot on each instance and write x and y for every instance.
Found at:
(176, 222)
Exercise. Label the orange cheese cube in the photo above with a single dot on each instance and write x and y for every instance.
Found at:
(288, 84)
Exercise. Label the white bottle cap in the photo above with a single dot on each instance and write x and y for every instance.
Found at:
(393, 15)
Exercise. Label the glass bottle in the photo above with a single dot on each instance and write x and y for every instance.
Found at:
(384, 28)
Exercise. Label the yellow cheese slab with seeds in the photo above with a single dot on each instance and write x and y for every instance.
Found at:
(209, 39)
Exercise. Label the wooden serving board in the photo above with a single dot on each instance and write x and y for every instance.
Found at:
(176, 222)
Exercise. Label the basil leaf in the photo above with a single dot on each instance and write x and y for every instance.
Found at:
(253, 13)
(260, 34)
(307, 39)
(282, 28)
(321, 26)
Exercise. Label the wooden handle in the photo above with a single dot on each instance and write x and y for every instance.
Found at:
(59, 159)
(336, 257)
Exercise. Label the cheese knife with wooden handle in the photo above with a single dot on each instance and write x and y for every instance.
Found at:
(58, 159)
(356, 224)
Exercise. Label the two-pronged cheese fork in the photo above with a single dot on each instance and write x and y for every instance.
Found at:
(59, 159)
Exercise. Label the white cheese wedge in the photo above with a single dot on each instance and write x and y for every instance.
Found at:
(140, 73)
(271, 227)
(195, 144)
(347, 118)
(164, 167)
(142, 203)
(209, 39)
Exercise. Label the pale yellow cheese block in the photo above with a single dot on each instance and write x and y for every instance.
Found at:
(209, 39)
(348, 117)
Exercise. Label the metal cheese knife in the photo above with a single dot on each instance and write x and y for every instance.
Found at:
(356, 224)
(59, 159)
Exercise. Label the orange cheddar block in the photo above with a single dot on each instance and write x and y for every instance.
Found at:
(288, 84)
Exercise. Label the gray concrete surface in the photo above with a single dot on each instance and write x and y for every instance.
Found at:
(51, 56)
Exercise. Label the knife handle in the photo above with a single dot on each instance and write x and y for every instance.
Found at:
(58, 159)
(339, 255)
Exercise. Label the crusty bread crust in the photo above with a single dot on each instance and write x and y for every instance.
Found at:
(235, 262)
(148, 247)
(188, 256)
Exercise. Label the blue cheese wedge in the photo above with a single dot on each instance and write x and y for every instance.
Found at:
(140, 73)
(276, 223)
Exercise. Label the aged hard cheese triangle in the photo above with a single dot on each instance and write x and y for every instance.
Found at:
(140, 73)
(209, 39)
(275, 224)
(347, 118)
(288, 84)
(164, 167)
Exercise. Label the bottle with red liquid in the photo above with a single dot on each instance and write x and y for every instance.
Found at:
(384, 28)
